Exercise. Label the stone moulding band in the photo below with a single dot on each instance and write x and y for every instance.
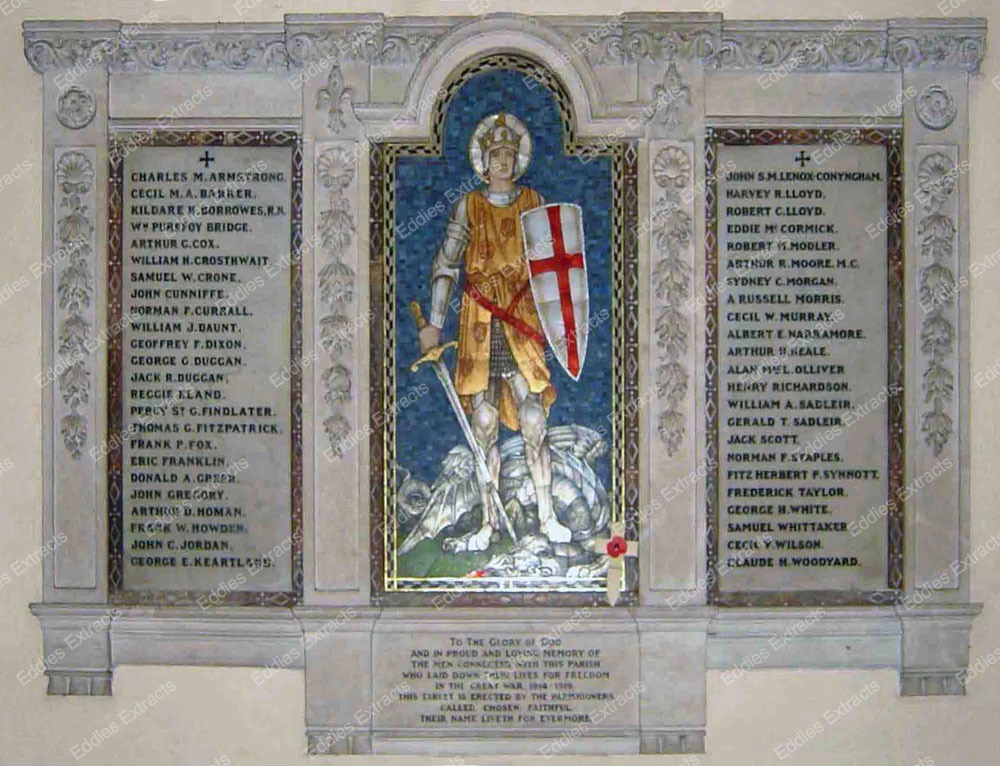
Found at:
(871, 636)
(847, 45)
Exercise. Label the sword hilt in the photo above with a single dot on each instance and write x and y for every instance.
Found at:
(434, 354)
(418, 315)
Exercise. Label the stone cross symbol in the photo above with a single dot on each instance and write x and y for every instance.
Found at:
(617, 548)
(802, 159)
(207, 159)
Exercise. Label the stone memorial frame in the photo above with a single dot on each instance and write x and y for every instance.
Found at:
(121, 143)
(349, 83)
(857, 135)
(623, 158)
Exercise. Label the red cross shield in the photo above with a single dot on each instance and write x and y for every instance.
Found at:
(553, 247)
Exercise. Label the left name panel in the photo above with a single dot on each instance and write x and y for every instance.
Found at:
(203, 444)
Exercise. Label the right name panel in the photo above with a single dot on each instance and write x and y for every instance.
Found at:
(804, 291)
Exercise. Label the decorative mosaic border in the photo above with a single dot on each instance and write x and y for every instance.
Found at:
(118, 141)
(387, 589)
(891, 139)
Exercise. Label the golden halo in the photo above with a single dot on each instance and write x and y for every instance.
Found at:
(523, 150)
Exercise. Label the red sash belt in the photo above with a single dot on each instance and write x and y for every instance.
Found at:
(506, 314)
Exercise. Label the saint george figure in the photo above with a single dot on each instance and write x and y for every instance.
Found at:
(501, 374)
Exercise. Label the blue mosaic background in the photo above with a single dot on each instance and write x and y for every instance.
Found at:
(426, 189)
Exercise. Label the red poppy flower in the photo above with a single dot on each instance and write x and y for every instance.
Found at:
(617, 546)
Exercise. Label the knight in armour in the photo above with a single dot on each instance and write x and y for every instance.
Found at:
(501, 372)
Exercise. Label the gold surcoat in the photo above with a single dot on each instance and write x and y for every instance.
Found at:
(496, 284)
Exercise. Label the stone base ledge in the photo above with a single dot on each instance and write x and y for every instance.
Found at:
(672, 741)
(666, 742)
(491, 742)
(929, 645)
(821, 637)
(935, 649)
(321, 741)
(240, 636)
(76, 642)
(78, 683)
(931, 683)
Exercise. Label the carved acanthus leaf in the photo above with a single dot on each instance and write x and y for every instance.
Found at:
(803, 51)
(630, 43)
(939, 50)
(672, 232)
(936, 234)
(74, 234)
(335, 173)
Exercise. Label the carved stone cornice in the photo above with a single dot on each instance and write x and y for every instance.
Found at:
(937, 43)
(204, 47)
(377, 39)
(803, 46)
(853, 45)
(632, 37)
(51, 46)
(58, 45)
(372, 38)
(332, 37)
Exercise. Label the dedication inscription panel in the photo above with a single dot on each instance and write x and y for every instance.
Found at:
(546, 683)
(204, 449)
(803, 283)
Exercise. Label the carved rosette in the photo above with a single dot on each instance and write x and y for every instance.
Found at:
(671, 229)
(73, 253)
(335, 174)
(76, 108)
(936, 108)
(937, 183)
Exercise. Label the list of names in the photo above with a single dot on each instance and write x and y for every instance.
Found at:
(206, 434)
(803, 390)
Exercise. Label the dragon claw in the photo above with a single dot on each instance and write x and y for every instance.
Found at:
(473, 542)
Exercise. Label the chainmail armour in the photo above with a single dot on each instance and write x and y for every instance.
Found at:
(502, 361)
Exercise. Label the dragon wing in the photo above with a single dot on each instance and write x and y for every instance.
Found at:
(453, 494)
(585, 443)
(411, 495)
(569, 470)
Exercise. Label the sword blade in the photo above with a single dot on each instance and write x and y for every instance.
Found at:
(478, 456)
